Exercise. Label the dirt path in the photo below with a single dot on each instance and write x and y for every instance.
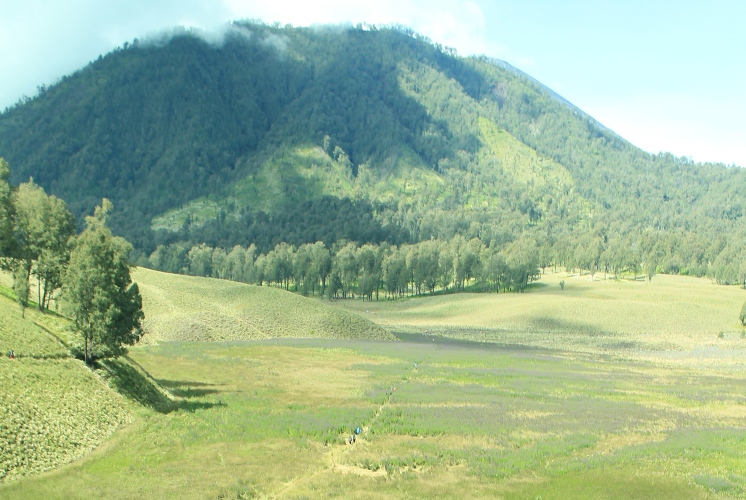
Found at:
(337, 452)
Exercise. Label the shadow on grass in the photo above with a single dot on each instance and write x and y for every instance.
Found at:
(182, 383)
(192, 406)
(132, 381)
(547, 324)
(135, 385)
(188, 388)
(459, 339)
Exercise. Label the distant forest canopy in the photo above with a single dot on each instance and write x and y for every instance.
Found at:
(373, 135)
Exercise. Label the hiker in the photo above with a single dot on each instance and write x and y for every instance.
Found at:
(11, 354)
(354, 439)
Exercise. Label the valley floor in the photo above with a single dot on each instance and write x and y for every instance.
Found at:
(571, 406)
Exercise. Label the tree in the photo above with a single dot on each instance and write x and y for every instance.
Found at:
(219, 263)
(200, 260)
(322, 263)
(367, 258)
(20, 287)
(43, 227)
(302, 269)
(279, 265)
(28, 229)
(653, 255)
(6, 213)
(495, 268)
(394, 267)
(346, 266)
(522, 261)
(249, 272)
(235, 263)
(59, 229)
(98, 293)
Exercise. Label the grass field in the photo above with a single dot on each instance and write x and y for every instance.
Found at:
(674, 318)
(52, 408)
(600, 399)
(270, 419)
(204, 309)
(26, 337)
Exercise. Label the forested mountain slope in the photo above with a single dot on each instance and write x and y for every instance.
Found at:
(362, 134)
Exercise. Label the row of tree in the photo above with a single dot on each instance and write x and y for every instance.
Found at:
(89, 273)
(347, 269)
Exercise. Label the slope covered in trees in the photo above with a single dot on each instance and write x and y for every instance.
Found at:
(372, 135)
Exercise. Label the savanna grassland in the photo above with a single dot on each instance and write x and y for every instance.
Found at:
(479, 409)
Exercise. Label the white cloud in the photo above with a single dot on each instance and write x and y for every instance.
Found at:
(42, 40)
(459, 24)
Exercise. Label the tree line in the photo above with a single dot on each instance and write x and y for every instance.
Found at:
(87, 273)
(348, 269)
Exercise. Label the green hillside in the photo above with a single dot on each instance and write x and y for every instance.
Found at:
(53, 409)
(204, 309)
(361, 134)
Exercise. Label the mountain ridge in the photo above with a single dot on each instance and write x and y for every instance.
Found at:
(557, 97)
(195, 141)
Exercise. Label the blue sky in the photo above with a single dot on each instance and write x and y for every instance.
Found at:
(666, 75)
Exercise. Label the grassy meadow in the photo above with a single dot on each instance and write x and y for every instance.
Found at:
(671, 318)
(205, 309)
(581, 393)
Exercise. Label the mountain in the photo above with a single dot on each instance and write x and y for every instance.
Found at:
(366, 134)
(554, 95)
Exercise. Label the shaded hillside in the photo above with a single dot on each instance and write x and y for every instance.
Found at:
(203, 309)
(225, 143)
(53, 409)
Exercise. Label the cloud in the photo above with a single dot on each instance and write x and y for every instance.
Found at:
(42, 40)
(459, 24)
(278, 42)
(214, 36)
